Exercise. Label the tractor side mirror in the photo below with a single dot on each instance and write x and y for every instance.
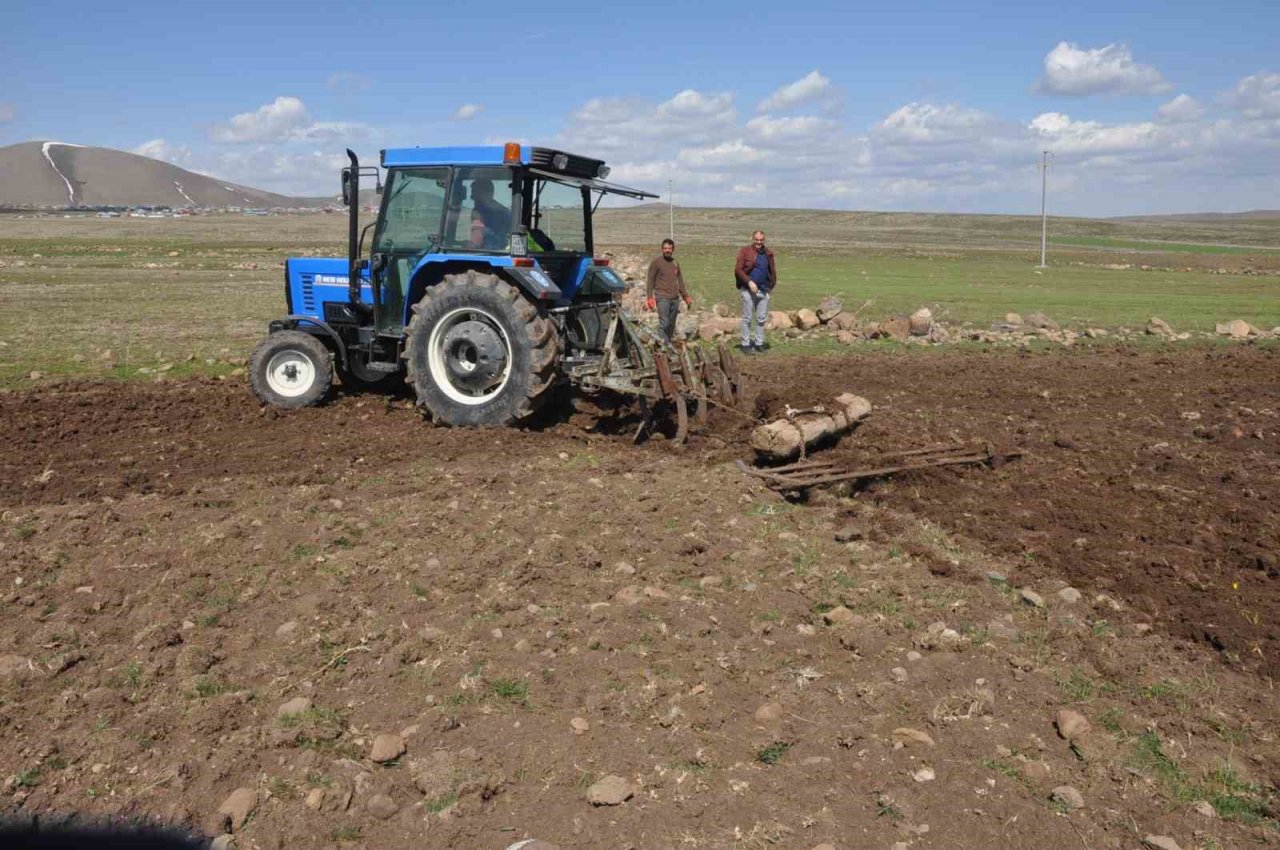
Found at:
(346, 187)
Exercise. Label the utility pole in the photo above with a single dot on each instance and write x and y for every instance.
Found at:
(671, 210)
(1044, 218)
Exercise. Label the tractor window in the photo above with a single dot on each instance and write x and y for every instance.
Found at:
(412, 210)
(479, 209)
(559, 216)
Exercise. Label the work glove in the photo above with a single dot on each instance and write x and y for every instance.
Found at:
(688, 302)
(651, 304)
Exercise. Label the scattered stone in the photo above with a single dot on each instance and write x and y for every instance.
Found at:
(846, 337)
(315, 799)
(897, 329)
(286, 631)
(532, 844)
(838, 616)
(920, 322)
(914, 656)
(381, 806)
(223, 842)
(610, 791)
(899, 674)
(624, 568)
(1013, 319)
(908, 737)
(924, 774)
(806, 319)
(1204, 808)
(235, 810)
(770, 712)
(523, 645)
(1161, 842)
(829, 308)
(1030, 597)
(1069, 595)
(849, 533)
(710, 581)
(1236, 329)
(297, 705)
(1040, 320)
(824, 847)
(386, 747)
(1068, 796)
(13, 666)
(1033, 770)
(580, 725)
(779, 321)
(1071, 724)
(1159, 327)
(629, 595)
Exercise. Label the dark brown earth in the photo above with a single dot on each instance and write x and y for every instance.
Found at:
(176, 564)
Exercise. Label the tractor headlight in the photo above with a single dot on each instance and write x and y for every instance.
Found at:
(560, 161)
(603, 171)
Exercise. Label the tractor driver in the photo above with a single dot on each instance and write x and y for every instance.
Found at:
(490, 220)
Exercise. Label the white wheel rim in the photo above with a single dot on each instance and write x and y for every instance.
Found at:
(439, 360)
(290, 373)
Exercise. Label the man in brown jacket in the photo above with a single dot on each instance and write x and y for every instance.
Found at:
(664, 289)
(756, 274)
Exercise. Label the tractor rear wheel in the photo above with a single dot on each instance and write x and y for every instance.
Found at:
(291, 369)
(479, 353)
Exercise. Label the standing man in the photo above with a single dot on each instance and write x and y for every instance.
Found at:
(664, 289)
(756, 275)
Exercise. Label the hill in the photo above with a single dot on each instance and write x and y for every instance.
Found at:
(57, 174)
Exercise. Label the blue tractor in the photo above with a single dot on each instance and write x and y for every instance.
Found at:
(481, 289)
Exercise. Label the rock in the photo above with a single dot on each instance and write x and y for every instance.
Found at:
(899, 674)
(1204, 808)
(286, 631)
(629, 595)
(523, 645)
(722, 310)
(829, 308)
(235, 810)
(896, 329)
(1041, 321)
(1161, 842)
(1071, 724)
(532, 844)
(824, 847)
(381, 806)
(708, 582)
(223, 842)
(1033, 770)
(849, 533)
(914, 656)
(844, 322)
(717, 326)
(920, 322)
(1069, 595)
(924, 774)
(386, 747)
(1030, 597)
(806, 319)
(779, 321)
(1236, 329)
(580, 725)
(1067, 796)
(846, 337)
(610, 791)
(13, 666)
(1159, 327)
(838, 616)
(315, 799)
(770, 712)
(297, 705)
(908, 737)
(1013, 319)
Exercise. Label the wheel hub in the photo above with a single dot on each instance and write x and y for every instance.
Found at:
(474, 356)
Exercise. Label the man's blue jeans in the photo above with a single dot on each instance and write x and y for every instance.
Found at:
(755, 311)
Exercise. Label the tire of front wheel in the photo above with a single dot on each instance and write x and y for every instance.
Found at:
(529, 342)
(310, 359)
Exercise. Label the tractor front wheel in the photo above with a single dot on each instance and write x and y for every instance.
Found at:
(479, 353)
(291, 369)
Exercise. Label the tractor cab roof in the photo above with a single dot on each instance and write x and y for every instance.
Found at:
(552, 164)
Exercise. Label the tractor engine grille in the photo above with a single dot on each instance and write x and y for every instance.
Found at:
(308, 292)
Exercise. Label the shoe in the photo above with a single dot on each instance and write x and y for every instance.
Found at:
(746, 349)
(762, 346)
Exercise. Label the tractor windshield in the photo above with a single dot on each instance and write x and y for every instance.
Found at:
(558, 217)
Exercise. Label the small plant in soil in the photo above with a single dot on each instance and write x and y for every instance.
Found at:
(885, 807)
(512, 690)
(29, 778)
(773, 753)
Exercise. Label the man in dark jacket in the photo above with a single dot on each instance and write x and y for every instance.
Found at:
(756, 275)
(665, 289)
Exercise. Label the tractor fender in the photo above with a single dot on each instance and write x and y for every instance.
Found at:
(292, 322)
(535, 283)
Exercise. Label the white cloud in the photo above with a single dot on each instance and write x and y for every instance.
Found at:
(164, 151)
(809, 88)
(629, 128)
(1256, 96)
(284, 119)
(6, 113)
(766, 128)
(1181, 110)
(466, 112)
(1065, 136)
(925, 123)
(347, 82)
(1073, 70)
(726, 154)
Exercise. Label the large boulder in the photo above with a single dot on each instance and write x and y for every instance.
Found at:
(686, 326)
(897, 329)
(717, 326)
(779, 321)
(1012, 319)
(1159, 327)
(844, 322)
(1237, 329)
(806, 319)
(722, 310)
(920, 322)
(830, 307)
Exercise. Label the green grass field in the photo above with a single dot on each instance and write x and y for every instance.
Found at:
(113, 297)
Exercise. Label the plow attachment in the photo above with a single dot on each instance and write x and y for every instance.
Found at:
(680, 381)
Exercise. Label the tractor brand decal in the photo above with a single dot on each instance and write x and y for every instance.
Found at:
(331, 278)
(540, 277)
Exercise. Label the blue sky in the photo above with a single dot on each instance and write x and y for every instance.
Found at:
(1147, 106)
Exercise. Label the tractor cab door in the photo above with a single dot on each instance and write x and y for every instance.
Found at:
(409, 227)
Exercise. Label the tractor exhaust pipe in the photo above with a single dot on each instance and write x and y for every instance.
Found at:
(351, 193)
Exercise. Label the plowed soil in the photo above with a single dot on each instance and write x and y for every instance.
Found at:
(178, 563)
